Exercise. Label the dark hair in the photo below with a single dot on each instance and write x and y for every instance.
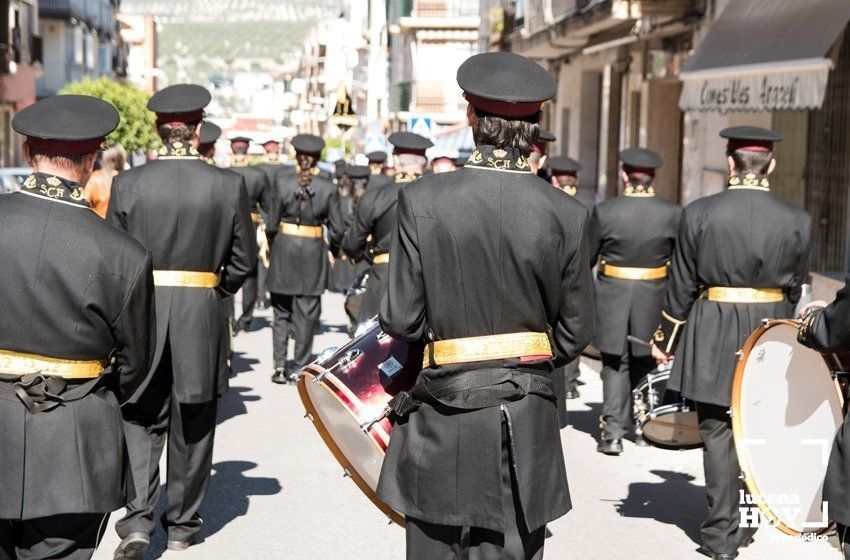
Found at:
(73, 163)
(239, 149)
(751, 161)
(640, 179)
(177, 132)
(520, 134)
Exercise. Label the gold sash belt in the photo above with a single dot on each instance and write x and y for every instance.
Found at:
(17, 363)
(381, 258)
(634, 273)
(744, 295)
(255, 217)
(185, 279)
(300, 231)
(494, 347)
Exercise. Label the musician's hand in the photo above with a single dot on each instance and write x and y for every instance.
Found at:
(661, 357)
(811, 307)
(331, 258)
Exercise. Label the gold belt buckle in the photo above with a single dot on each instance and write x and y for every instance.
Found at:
(634, 273)
(296, 230)
(493, 347)
(726, 294)
(185, 279)
(21, 363)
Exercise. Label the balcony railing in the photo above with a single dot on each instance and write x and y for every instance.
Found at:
(426, 98)
(432, 9)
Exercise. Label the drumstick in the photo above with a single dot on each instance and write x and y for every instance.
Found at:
(639, 341)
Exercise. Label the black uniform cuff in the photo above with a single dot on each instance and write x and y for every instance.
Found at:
(666, 336)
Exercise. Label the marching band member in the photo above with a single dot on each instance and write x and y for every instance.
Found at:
(741, 255)
(479, 445)
(197, 223)
(76, 340)
(827, 329)
(374, 221)
(634, 238)
(304, 202)
(259, 200)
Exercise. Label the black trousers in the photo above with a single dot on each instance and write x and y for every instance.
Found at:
(429, 541)
(721, 531)
(843, 540)
(72, 536)
(298, 317)
(620, 374)
(191, 430)
(253, 290)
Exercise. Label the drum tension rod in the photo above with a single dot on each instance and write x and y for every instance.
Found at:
(366, 426)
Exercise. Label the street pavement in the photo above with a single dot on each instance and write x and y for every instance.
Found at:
(277, 492)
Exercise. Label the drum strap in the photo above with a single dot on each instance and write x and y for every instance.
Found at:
(473, 390)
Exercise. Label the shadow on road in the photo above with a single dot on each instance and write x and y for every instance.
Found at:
(586, 421)
(241, 363)
(332, 328)
(676, 500)
(227, 499)
(233, 403)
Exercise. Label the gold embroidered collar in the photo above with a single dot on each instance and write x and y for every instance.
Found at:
(406, 177)
(313, 170)
(178, 150)
(55, 188)
(638, 190)
(498, 159)
(754, 181)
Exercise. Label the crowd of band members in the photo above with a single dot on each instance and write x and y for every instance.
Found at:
(291, 232)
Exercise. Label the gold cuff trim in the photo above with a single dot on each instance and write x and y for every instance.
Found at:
(300, 231)
(744, 295)
(672, 319)
(17, 363)
(185, 279)
(495, 347)
(381, 258)
(634, 273)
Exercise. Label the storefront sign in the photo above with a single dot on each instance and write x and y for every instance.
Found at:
(763, 87)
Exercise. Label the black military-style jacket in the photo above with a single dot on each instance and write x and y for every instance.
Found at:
(270, 168)
(72, 287)
(636, 230)
(257, 186)
(192, 217)
(827, 330)
(299, 265)
(371, 234)
(744, 237)
(467, 260)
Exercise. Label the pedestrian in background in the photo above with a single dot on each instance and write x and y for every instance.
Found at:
(112, 162)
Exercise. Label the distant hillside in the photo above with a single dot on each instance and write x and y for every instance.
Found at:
(201, 39)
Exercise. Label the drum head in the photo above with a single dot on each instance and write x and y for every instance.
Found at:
(358, 453)
(786, 409)
(673, 427)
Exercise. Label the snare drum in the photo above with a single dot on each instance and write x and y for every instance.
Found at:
(346, 396)
(662, 417)
(786, 409)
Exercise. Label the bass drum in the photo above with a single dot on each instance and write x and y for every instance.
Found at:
(786, 410)
(663, 417)
(346, 396)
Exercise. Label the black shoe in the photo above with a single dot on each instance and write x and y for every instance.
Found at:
(610, 446)
(280, 377)
(132, 546)
(725, 556)
(180, 545)
(572, 394)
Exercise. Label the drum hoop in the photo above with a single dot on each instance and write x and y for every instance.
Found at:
(309, 374)
(737, 428)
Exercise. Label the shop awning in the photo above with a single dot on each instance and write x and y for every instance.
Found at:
(764, 55)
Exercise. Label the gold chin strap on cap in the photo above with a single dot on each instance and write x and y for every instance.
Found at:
(300, 231)
(633, 273)
(486, 348)
(185, 279)
(19, 363)
(381, 258)
(725, 294)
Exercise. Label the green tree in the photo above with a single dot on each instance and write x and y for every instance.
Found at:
(136, 130)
